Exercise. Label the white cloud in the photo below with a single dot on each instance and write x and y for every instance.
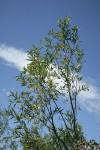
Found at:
(13, 57)
(89, 100)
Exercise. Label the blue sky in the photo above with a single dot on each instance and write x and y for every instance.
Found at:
(25, 22)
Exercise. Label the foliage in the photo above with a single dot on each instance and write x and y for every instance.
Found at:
(45, 115)
(7, 142)
(91, 145)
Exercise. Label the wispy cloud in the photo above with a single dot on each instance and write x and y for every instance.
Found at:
(89, 100)
(13, 57)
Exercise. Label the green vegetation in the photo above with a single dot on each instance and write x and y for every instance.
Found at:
(7, 140)
(45, 114)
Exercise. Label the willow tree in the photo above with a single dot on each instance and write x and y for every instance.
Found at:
(48, 107)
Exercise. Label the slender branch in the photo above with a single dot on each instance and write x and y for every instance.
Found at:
(71, 103)
(54, 128)
(63, 120)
